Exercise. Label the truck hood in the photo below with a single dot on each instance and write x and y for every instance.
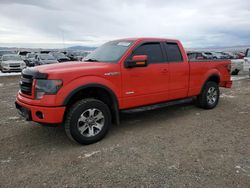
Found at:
(75, 69)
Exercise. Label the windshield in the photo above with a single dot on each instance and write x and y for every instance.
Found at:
(31, 55)
(109, 52)
(46, 57)
(24, 53)
(59, 55)
(11, 58)
(6, 52)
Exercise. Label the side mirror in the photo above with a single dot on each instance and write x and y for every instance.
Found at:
(137, 61)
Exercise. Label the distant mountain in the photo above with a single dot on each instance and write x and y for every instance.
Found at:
(241, 48)
(83, 48)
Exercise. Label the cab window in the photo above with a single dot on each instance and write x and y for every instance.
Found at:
(173, 52)
(152, 50)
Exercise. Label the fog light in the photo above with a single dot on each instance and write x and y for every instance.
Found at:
(39, 114)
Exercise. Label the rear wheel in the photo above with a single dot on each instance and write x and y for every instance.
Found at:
(209, 96)
(87, 121)
(235, 72)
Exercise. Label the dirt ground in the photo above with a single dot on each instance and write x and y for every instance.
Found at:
(181, 146)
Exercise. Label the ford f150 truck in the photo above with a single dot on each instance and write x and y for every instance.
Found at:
(87, 97)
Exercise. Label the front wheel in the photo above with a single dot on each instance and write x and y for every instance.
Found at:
(87, 121)
(209, 96)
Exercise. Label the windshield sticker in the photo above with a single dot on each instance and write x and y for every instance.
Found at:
(124, 43)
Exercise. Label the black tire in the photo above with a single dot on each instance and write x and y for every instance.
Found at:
(204, 100)
(235, 72)
(71, 124)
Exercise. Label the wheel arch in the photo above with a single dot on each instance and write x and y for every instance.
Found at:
(212, 77)
(97, 91)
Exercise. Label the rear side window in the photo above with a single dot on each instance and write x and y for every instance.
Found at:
(152, 50)
(173, 52)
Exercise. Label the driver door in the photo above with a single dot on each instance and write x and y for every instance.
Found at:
(146, 85)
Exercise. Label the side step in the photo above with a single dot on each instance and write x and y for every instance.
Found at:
(159, 105)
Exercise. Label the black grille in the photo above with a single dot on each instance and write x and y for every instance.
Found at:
(15, 65)
(28, 75)
(26, 84)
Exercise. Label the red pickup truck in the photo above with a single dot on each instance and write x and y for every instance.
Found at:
(86, 97)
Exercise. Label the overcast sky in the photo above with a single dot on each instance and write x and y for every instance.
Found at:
(61, 23)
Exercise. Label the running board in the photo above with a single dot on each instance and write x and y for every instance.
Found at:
(159, 105)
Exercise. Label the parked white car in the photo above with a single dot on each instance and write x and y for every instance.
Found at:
(11, 63)
(3, 52)
(236, 66)
(247, 61)
(218, 55)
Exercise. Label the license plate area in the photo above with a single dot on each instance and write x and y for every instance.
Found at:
(24, 112)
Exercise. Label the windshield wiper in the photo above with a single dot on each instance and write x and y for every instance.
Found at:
(91, 60)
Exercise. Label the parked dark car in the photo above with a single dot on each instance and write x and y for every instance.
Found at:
(43, 59)
(29, 59)
(61, 57)
(195, 56)
(207, 55)
(77, 56)
(45, 51)
(23, 54)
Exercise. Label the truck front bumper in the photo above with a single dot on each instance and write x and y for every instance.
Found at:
(41, 114)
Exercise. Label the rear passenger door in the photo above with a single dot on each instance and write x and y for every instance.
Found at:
(178, 71)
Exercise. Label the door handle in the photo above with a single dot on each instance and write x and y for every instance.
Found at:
(164, 70)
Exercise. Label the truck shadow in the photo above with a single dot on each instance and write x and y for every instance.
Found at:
(56, 137)
(149, 117)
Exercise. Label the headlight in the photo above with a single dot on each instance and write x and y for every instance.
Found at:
(4, 64)
(23, 64)
(49, 87)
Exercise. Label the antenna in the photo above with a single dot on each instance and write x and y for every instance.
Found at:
(63, 41)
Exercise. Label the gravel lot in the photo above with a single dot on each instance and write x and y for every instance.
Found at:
(181, 146)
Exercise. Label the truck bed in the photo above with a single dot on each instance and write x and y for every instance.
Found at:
(199, 68)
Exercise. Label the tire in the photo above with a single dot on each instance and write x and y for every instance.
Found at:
(87, 121)
(235, 72)
(209, 96)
